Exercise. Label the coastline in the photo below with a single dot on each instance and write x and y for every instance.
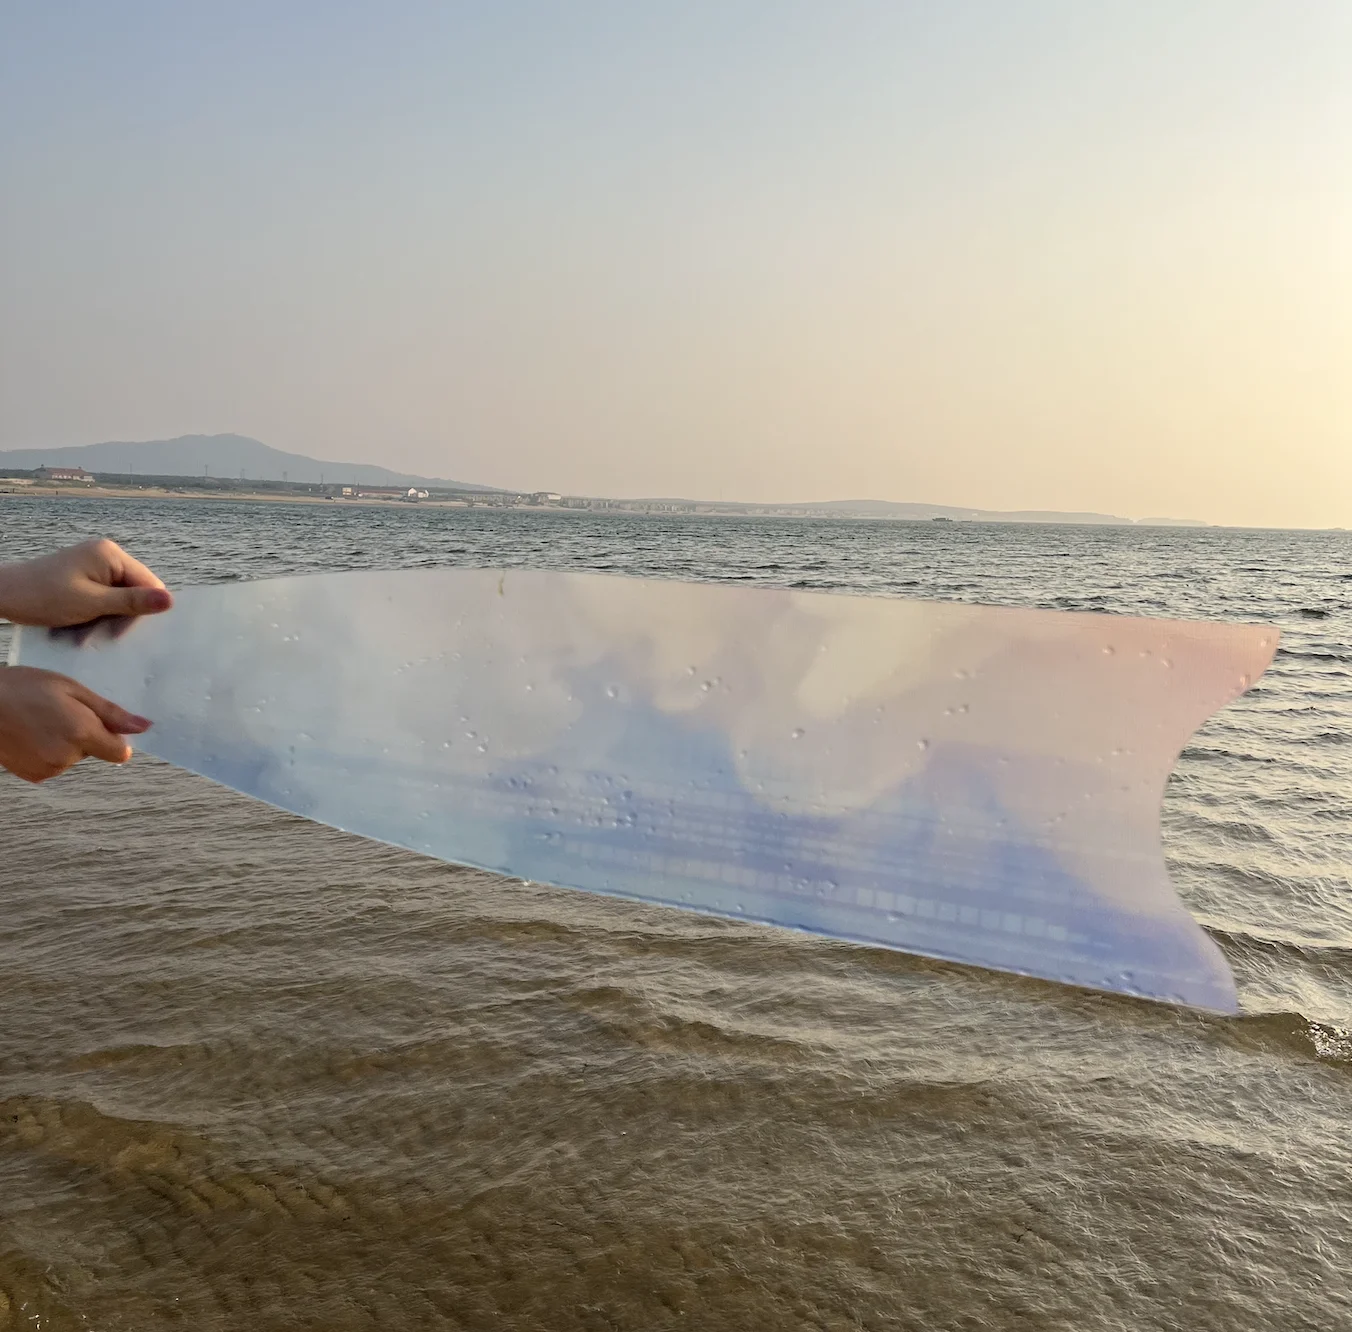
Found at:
(20, 488)
(20, 491)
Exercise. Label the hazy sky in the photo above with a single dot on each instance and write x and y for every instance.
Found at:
(1086, 254)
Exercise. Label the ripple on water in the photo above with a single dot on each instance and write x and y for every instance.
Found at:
(255, 1073)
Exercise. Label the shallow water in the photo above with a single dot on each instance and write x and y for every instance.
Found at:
(259, 1074)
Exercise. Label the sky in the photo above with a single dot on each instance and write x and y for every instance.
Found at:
(1001, 253)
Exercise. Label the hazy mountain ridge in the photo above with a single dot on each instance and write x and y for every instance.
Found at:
(227, 456)
(223, 455)
(929, 512)
(889, 509)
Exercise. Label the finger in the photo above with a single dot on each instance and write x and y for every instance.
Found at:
(140, 600)
(100, 743)
(112, 717)
(132, 573)
(123, 583)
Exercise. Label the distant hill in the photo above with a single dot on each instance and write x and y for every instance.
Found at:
(222, 455)
(227, 456)
(928, 512)
(887, 509)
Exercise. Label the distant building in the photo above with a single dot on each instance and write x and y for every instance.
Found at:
(545, 497)
(412, 495)
(64, 474)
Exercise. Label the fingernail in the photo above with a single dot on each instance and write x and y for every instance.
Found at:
(158, 599)
(137, 725)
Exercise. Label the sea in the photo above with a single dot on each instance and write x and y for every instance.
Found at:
(257, 1075)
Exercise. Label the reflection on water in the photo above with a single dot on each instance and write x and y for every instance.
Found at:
(257, 1074)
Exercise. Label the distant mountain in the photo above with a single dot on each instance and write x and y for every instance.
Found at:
(916, 512)
(222, 455)
(887, 509)
(227, 456)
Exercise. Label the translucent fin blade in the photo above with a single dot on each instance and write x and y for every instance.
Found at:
(972, 783)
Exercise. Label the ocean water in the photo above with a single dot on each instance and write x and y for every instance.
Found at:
(258, 1074)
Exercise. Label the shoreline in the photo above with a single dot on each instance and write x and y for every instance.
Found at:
(38, 491)
(254, 496)
(16, 489)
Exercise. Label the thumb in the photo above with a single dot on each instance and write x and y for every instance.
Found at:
(117, 719)
(136, 600)
(100, 743)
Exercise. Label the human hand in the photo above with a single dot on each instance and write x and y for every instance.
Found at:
(49, 722)
(79, 584)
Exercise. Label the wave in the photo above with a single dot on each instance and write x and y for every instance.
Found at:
(1295, 1033)
(1297, 654)
(1288, 948)
(636, 1021)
